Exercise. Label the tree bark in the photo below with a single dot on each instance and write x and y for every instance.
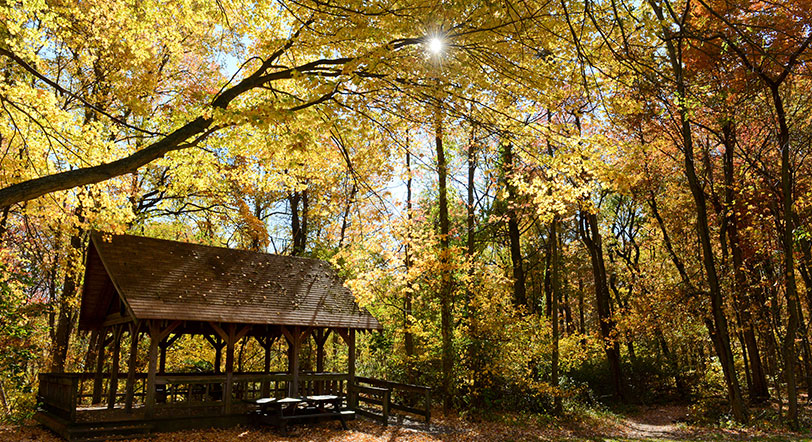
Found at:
(67, 311)
(719, 334)
(594, 243)
(176, 140)
(408, 336)
(556, 290)
(758, 389)
(298, 222)
(514, 235)
(787, 244)
(445, 272)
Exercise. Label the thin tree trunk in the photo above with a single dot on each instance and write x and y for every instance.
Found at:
(556, 286)
(787, 244)
(720, 328)
(408, 337)
(514, 235)
(759, 391)
(67, 311)
(298, 221)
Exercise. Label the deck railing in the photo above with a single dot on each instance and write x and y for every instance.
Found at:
(58, 394)
(387, 396)
(67, 394)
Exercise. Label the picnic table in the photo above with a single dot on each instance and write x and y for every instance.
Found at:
(290, 409)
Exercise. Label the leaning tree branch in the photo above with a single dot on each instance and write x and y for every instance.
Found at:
(36, 187)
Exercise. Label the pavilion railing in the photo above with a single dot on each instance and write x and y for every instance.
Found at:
(381, 397)
(176, 394)
(58, 393)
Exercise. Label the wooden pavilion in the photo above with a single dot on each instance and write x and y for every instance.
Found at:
(145, 287)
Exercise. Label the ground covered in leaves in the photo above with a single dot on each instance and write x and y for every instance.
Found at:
(645, 423)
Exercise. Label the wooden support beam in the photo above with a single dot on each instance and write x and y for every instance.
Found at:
(351, 355)
(115, 319)
(162, 358)
(218, 344)
(295, 343)
(353, 400)
(344, 333)
(266, 342)
(230, 340)
(219, 331)
(156, 334)
(135, 329)
(97, 381)
(218, 355)
(321, 339)
(152, 369)
(164, 345)
(114, 367)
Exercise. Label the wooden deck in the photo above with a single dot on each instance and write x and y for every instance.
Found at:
(72, 405)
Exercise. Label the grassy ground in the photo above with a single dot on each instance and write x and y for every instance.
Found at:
(661, 423)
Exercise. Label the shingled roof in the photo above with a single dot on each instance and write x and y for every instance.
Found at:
(160, 279)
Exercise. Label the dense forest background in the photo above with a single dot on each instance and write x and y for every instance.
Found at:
(548, 204)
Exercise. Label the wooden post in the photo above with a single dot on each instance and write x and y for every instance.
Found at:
(293, 389)
(229, 368)
(266, 342)
(353, 399)
(152, 369)
(217, 344)
(387, 397)
(156, 335)
(428, 405)
(290, 355)
(163, 345)
(114, 367)
(231, 336)
(162, 359)
(131, 366)
(218, 355)
(321, 338)
(267, 347)
(351, 355)
(74, 393)
(97, 382)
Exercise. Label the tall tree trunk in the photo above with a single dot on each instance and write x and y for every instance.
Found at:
(446, 283)
(67, 313)
(594, 243)
(470, 214)
(477, 362)
(514, 235)
(556, 293)
(92, 348)
(790, 289)
(298, 221)
(570, 327)
(759, 391)
(581, 316)
(719, 335)
(548, 280)
(408, 337)
(346, 218)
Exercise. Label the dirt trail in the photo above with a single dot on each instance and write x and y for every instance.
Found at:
(660, 422)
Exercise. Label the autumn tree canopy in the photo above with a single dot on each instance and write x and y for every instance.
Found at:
(544, 202)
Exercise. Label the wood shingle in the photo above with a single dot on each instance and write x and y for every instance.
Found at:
(160, 279)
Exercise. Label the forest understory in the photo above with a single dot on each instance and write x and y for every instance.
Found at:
(667, 422)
